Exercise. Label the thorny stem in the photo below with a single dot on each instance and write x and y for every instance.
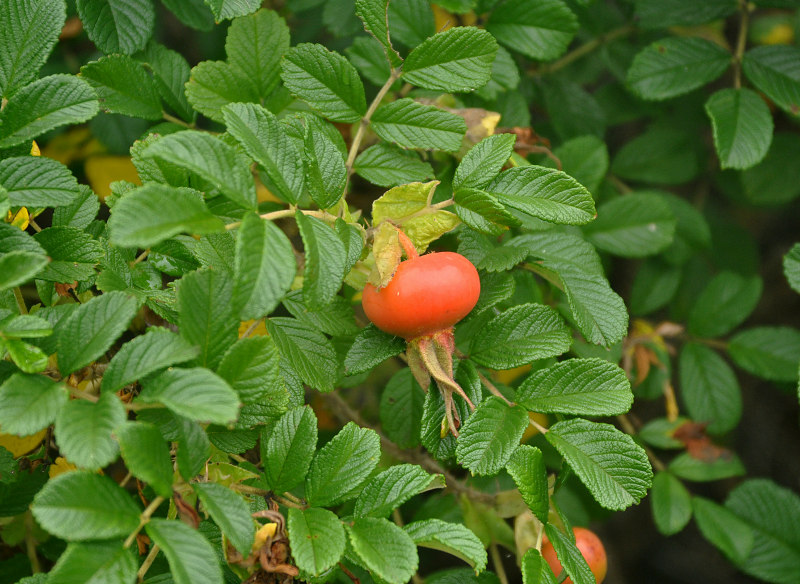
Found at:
(143, 519)
(585, 49)
(148, 561)
(497, 562)
(628, 428)
(741, 43)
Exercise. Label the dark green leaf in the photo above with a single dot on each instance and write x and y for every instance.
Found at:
(215, 84)
(570, 557)
(666, 13)
(324, 260)
(83, 430)
(452, 538)
(256, 44)
(483, 161)
(742, 126)
(775, 71)
(118, 26)
(191, 558)
(414, 125)
(687, 467)
(252, 368)
(526, 467)
(768, 352)
(287, 449)
(308, 351)
(488, 438)
(231, 9)
(146, 455)
(95, 561)
(671, 504)
(317, 537)
(387, 165)
(123, 87)
(326, 175)
(540, 30)
(37, 182)
(371, 347)
(374, 15)
(724, 304)
(393, 487)
(230, 512)
(709, 388)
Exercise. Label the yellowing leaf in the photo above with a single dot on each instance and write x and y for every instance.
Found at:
(19, 219)
(104, 169)
(263, 534)
(19, 445)
(264, 195)
(35, 149)
(387, 252)
(260, 329)
(531, 431)
(60, 467)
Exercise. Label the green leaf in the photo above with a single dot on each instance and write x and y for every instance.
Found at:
(206, 315)
(633, 226)
(287, 449)
(18, 267)
(196, 393)
(412, 21)
(584, 387)
(535, 570)
(336, 319)
(401, 407)
(308, 351)
(156, 212)
(393, 487)
(124, 87)
(691, 230)
(145, 354)
(483, 161)
(483, 212)
(414, 125)
(193, 13)
(28, 358)
(194, 447)
(324, 261)
(265, 140)
(191, 558)
(724, 529)
(725, 466)
(489, 437)
(83, 430)
(146, 455)
(526, 467)
(384, 548)
(768, 352)
(44, 105)
(215, 84)
(452, 538)
(540, 30)
(37, 182)
(374, 14)
(30, 30)
(671, 504)
(666, 13)
(371, 347)
(92, 327)
(230, 9)
(676, 65)
(73, 254)
(611, 465)
(456, 60)
(775, 71)
(230, 512)
(544, 193)
(170, 74)
(29, 403)
(82, 505)
(342, 466)
(724, 304)
(265, 267)
(255, 44)
(80, 213)
(367, 55)
(585, 159)
(742, 126)
(26, 326)
(663, 154)
(317, 538)
(95, 561)
(520, 335)
(572, 561)
(252, 368)
(326, 81)
(659, 433)
(326, 175)
(791, 267)
(709, 388)
(118, 26)
(387, 165)
(211, 159)
(774, 181)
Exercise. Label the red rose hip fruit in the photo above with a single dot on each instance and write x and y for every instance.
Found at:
(591, 549)
(426, 294)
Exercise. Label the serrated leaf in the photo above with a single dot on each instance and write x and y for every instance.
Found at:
(483, 161)
(791, 267)
(724, 529)
(742, 126)
(211, 159)
(146, 455)
(671, 504)
(374, 14)
(387, 165)
(414, 125)
(317, 537)
(37, 182)
(82, 505)
(584, 387)
(456, 60)
(709, 388)
(724, 304)
(544, 193)
(73, 254)
(194, 13)
(526, 467)
(535, 570)
(541, 30)
(489, 436)
(585, 159)
(611, 465)
(724, 466)
(371, 347)
(775, 71)
(252, 368)
(384, 548)
(336, 319)
(287, 449)
(147, 353)
(29, 403)
(123, 87)
(18, 267)
(196, 393)
(170, 73)
(255, 44)
(265, 140)
(308, 351)
(194, 447)
(570, 557)
(91, 329)
(191, 558)
(520, 335)
(768, 352)
(326, 175)
(676, 65)
(30, 29)
(326, 81)
(44, 105)
(230, 512)
(27, 357)
(393, 487)
(325, 258)
(80, 213)
(118, 26)
(83, 430)
(94, 562)
(342, 465)
(230, 9)
(26, 326)
(214, 84)
(483, 212)
(665, 13)
(265, 267)
(453, 538)
(401, 409)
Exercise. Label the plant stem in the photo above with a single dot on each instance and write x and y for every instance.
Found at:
(148, 561)
(174, 120)
(585, 49)
(141, 257)
(497, 562)
(492, 388)
(252, 327)
(30, 543)
(741, 43)
(628, 428)
(143, 519)
(248, 490)
(81, 394)
(542, 430)
(284, 213)
(20, 300)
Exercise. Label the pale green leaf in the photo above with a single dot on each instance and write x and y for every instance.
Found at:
(374, 15)
(526, 467)
(326, 175)
(453, 538)
(123, 87)
(37, 182)
(791, 267)
(83, 430)
(387, 165)
(535, 570)
(317, 537)
(170, 74)
(688, 467)
(230, 512)
(29, 403)
(230, 9)
(384, 548)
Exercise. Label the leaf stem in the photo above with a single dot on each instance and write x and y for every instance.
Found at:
(144, 519)
(584, 50)
(493, 388)
(148, 561)
(285, 213)
(628, 428)
(542, 430)
(30, 543)
(81, 394)
(23, 309)
(741, 42)
(497, 562)
(174, 120)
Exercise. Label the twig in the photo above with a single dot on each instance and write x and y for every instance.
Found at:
(30, 543)
(79, 393)
(542, 430)
(492, 388)
(628, 428)
(35, 225)
(248, 490)
(497, 562)
(585, 49)
(23, 309)
(284, 213)
(143, 520)
(174, 120)
(124, 481)
(349, 574)
(141, 257)
(148, 561)
(741, 43)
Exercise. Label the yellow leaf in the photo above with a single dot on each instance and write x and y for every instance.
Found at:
(263, 534)
(259, 331)
(21, 219)
(264, 195)
(61, 466)
(35, 149)
(19, 445)
(104, 169)
(68, 147)
(442, 18)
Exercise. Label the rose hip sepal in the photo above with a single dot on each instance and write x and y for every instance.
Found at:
(425, 297)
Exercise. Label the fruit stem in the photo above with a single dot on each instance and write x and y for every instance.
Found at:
(408, 245)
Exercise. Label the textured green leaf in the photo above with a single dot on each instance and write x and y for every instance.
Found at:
(535, 570)
(83, 430)
(570, 557)
(584, 387)
(709, 388)
(489, 437)
(215, 84)
(192, 559)
(520, 335)
(29, 403)
(336, 319)
(724, 304)
(611, 465)
(326, 175)
(654, 286)
(526, 467)
(412, 21)
(170, 74)
(37, 182)
(146, 455)
(452, 538)
(585, 159)
(118, 26)
(483, 161)
(26, 326)
(30, 29)
(401, 409)
(194, 447)
(27, 357)
(230, 512)
(387, 165)
(325, 258)
(414, 125)
(342, 466)
(775, 180)
(73, 254)
(671, 504)
(540, 30)
(456, 60)
(775, 70)
(371, 347)
(384, 548)
(80, 213)
(663, 155)
(82, 505)
(124, 87)
(791, 267)
(724, 529)
(574, 112)
(367, 55)
(194, 13)
(18, 267)
(308, 351)
(768, 352)
(393, 487)
(287, 449)
(196, 393)
(94, 562)
(252, 368)
(230, 9)
(317, 537)
(742, 126)
(666, 13)
(374, 14)
(687, 467)
(255, 44)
